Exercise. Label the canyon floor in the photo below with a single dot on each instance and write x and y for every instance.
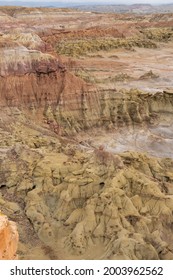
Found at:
(86, 135)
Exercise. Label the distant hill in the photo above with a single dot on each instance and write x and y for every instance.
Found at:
(135, 8)
(38, 4)
(95, 7)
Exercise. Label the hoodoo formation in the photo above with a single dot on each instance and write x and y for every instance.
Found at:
(86, 134)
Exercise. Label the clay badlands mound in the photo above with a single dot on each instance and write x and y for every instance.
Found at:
(86, 135)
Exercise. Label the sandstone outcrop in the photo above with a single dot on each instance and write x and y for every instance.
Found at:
(42, 85)
(72, 194)
(120, 205)
(8, 239)
(27, 39)
(33, 79)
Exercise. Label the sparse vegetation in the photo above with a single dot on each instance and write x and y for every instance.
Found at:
(84, 46)
(114, 56)
(148, 39)
(119, 78)
(158, 34)
(85, 75)
(149, 75)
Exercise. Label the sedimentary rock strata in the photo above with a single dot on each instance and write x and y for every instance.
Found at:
(83, 199)
(86, 168)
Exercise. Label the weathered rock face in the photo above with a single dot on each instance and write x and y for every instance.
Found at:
(30, 79)
(37, 82)
(18, 60)
(112, 109)
(29, 40)
(120, 205)
(8, 239)
(69, 198)
(107, 201)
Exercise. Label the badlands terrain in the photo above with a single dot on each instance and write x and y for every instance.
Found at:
(86, 135)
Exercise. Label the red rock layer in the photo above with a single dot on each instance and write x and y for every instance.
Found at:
(8, 239)
(30, 77)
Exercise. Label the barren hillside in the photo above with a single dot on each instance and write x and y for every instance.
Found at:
(86, 163)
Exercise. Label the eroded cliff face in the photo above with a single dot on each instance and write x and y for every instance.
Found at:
(8, 239)
(105, 206)
(78, 199)
(34, 81)
(77, 196)
(72, 192)
(18, 62)
(111, 109)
